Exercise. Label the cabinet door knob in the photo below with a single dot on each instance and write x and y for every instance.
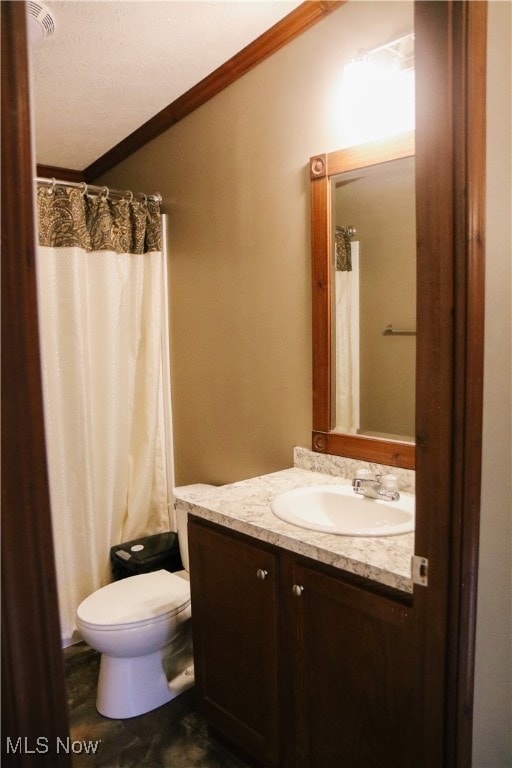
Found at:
(297, 590)
(261, 574)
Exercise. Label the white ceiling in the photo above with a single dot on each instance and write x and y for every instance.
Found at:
(111, 65)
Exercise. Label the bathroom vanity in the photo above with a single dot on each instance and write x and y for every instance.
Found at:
(301, 638)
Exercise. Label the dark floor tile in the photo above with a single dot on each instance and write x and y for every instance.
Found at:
(82, 666)
(172, 736)
(186, 749)
(196, 721)
(161, 719)
(111, 737)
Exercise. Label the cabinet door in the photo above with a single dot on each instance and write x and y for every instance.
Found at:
(234, 609)
(350, 663)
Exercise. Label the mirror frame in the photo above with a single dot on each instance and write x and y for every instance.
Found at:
(324, 439)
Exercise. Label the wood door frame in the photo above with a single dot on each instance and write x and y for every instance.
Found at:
(450, 56)
(449, 424)
(34, 702)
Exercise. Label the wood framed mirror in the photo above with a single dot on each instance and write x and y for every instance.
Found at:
(327, 436)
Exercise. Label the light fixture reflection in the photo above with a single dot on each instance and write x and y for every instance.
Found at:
(377, 93)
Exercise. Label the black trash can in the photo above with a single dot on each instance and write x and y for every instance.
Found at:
(151, 553)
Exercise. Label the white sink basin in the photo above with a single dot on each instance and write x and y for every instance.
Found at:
(338, 509)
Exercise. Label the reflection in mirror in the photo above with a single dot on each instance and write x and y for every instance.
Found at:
(364, 301)
(374, 313)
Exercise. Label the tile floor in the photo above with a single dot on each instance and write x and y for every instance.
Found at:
(172, 736)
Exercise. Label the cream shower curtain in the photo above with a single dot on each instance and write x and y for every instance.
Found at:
(101, 293)
(347, 343)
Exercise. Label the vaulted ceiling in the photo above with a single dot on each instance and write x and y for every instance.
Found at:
(110, 66)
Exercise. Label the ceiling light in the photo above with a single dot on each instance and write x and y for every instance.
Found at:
(377, 93)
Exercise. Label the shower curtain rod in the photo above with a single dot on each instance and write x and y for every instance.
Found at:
(90, 189)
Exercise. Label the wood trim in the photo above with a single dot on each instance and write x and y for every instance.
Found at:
(434, 429)
(321, 307)
(294, 24)
(389, 452)
(322, 168)
(33, 690)
(371, 153)
(470, 98)
(450, 165)
(63, 174)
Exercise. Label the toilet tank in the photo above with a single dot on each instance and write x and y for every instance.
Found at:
(181, 518)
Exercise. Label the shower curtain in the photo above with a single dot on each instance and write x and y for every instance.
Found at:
(347, 341)
(102, 311)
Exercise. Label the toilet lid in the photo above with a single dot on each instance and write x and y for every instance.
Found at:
(140, 599)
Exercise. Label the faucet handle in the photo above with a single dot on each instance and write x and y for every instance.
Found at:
(390, 483)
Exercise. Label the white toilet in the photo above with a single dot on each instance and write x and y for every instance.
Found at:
(142, 627)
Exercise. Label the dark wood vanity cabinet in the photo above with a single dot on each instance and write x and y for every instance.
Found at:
(350, 697)
(234, 588)
(294, 664)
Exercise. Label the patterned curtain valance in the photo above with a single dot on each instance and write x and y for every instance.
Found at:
(69, 218)
(343, 250)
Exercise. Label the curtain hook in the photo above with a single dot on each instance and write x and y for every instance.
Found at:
(128, 195)
(51, 188)
(84, 187)
(104, 193)
(144, 197)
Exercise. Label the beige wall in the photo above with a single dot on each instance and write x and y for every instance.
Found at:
(493, 669)
(235, 183)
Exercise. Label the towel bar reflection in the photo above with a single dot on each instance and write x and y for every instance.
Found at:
(390, 331)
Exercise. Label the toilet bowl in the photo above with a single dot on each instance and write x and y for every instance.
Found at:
(137, 624)
(142, 627)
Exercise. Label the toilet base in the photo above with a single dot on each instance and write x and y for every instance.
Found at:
(128, 687)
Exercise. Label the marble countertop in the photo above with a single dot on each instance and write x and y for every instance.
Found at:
(245, 507)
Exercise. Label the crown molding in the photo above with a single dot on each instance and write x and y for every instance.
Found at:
(61, 174)
(291, 26)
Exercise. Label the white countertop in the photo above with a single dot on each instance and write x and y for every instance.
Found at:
(245, 507)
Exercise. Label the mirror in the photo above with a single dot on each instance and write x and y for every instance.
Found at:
(374, 300)
(364, 297)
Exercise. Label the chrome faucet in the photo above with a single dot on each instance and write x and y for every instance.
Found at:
(376, 486)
